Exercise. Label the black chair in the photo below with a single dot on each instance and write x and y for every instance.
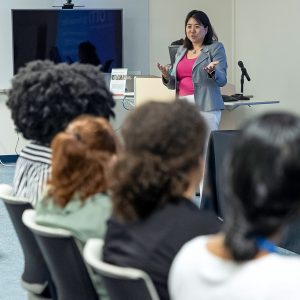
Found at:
(291, 238)
(219, 144)
(63, 257)
(106, 67)
(173, 49)
(121, 283)
(36, 277)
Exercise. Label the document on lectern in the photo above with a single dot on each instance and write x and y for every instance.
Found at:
(118, 81)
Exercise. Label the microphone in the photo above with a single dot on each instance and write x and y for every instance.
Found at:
(244, 71)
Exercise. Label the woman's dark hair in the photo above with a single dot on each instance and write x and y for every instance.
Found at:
(45, 97)
(261, 180)
(163, 143)
(202, 18)
(80, 159)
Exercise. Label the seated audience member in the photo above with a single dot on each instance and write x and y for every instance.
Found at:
(154, 181)
(87, 54)
(76, 197)
(43, 99)
(262, 192)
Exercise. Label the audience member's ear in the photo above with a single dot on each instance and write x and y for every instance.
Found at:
(195, 177)
(112, 161)
(201, 164)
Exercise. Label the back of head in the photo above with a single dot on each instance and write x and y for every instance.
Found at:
(163, 143)
(45, 97)
(261, 182)
(87, 54)
(80, 159)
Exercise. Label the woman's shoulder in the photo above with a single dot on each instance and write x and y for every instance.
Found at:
(215, 45)
(189, 254)
(46, 203)
(198, 242)
(99, 198)
(289, 263)
(181, 49)
(95, 201)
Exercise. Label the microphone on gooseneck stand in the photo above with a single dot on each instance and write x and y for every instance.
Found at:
(237, 97)
(244, 74)
(244, 71)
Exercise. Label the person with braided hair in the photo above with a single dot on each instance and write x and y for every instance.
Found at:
(262, 193)
(153, 183)
(43, 99)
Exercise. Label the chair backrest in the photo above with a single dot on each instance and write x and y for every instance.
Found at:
(63, 257)
(219, 144)
(172, 53)
(120, 282)
(106, 67)
(36, 277)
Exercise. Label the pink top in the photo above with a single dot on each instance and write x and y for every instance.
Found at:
(184, 76)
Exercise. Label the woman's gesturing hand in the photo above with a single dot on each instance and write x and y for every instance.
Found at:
(211, 67)
(164, 70)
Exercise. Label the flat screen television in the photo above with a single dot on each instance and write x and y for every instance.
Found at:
(88, 36)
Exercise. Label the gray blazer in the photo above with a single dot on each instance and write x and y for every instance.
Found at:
(206, 88)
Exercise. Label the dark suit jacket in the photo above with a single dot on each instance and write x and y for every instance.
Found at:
(151, 244)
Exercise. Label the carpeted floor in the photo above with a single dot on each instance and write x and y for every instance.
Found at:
(11, 256)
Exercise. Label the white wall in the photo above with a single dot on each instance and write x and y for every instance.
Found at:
(267, 41)
(9, 141)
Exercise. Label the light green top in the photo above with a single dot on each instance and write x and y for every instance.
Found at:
(84, 219)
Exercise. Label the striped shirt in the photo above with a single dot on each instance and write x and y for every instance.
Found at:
(32, 172)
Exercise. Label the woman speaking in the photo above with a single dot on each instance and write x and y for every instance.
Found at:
(199, 69)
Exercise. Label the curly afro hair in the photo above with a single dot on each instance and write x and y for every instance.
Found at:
(45, 97)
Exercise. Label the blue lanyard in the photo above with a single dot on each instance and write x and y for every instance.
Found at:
(266, 245)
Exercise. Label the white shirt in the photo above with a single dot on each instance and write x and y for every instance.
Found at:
(198, 274)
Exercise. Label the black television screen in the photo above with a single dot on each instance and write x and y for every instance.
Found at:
(86, 36)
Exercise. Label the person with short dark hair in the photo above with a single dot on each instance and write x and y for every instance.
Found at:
(153, 184)
(87, 54)
(43, 99)
(199, 69)
(262, 193)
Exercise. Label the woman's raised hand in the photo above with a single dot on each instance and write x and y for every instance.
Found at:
(164, 70)
(211, 67)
